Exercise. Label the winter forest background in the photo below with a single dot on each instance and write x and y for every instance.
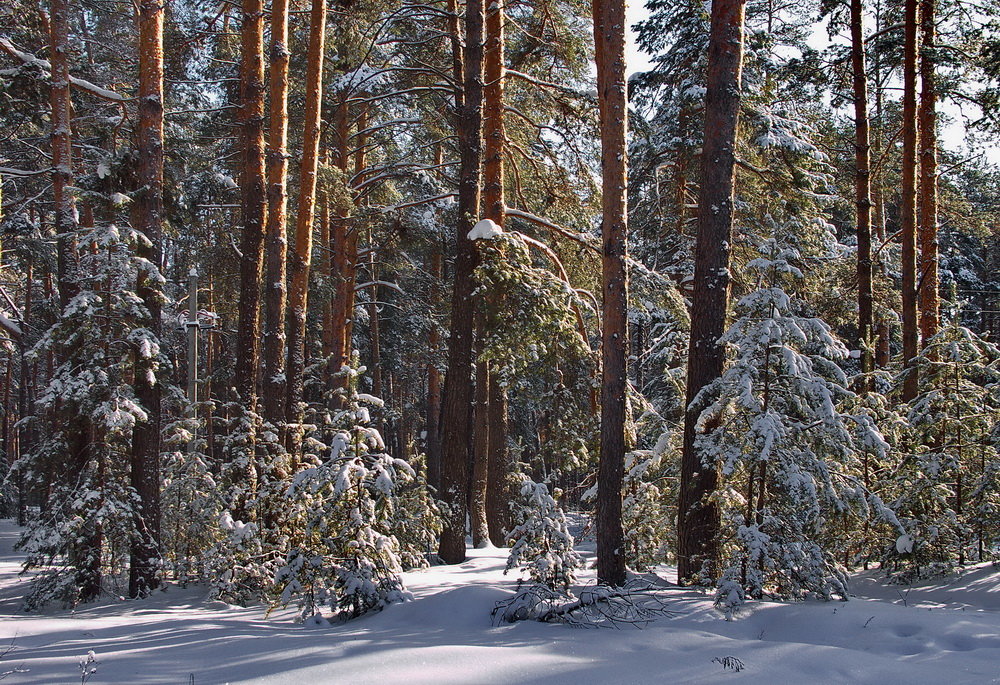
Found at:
(297, 296)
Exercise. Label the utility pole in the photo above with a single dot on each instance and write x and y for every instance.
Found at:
(192, 357)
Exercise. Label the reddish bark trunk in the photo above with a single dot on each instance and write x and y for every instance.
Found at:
(455, 417)
(698, 515)
(145, 473)
(862, 190)
(274, 384)
(609, 39)
(928, 283)
(300, 260)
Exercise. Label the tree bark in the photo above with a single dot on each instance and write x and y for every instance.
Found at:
(345, 251)
(498, 490)
(928, 283)
(455, 417)
(609, 40)
(480, 457)
(242, 456)
(300, 259)
(145, 472)
(274, 384)
(433, 418)
(491, 428)
(698, 515)
(63, 200)
(908, 201)
(862, 191)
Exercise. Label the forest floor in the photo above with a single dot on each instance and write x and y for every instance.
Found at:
(944, 631)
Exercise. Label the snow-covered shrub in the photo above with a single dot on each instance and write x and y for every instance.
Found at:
(242, 563)
(646, 508)
(341, 512)
(541, 544)
(84, 419)
(786, 454)
(948, 493)
(416, 519)
(189, 499)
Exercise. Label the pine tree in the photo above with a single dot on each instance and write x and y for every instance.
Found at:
(947, 488)
(541, 543)
(89, 522)
(786, 454)
(342, 550)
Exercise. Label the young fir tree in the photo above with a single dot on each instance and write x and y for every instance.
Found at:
(541, 543)
(191, 505)
(342, 551)
(948, 491)
(88, 521)
(786, 454)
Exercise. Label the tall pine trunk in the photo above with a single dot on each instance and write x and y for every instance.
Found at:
(609, 43)
(698, 516)
(276, 236)
(456, 425)
(433, 409)
(253, 202)
(299, 260)
(908, 200)
(85, 556)
(498, 486)
(145, 473)
(862, 189)
(928, 282)
(494, 423)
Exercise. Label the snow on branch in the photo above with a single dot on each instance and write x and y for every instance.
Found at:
(638, 603)
(80, 83)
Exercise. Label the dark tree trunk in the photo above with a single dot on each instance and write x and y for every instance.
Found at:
(253, 199)
(273, 384)
(480, 457)
(698, 515)
(908, 201)
(493, 424)
(928, 283)
(85, 556)
(433, 417)
(498, 487)
(862, 191)
(609, 40)
(456, 427)
(145, 548)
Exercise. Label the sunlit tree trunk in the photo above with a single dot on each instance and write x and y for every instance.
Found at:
(609, 42)
(274, 386)
(928, 282)
(252, 191)
(299, 260)
(145, 472)
(494, 422)
(862, 188)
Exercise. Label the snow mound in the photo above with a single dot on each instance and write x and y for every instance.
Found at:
(486, 229)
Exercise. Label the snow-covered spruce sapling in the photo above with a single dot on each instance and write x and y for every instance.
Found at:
(341, 512)
(541, 544)
(784, 450)
(241, 565)
(83, 421)
(948, 494)
(190, 502)
(416, 519)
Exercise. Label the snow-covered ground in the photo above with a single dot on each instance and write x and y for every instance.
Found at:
(940, 632)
